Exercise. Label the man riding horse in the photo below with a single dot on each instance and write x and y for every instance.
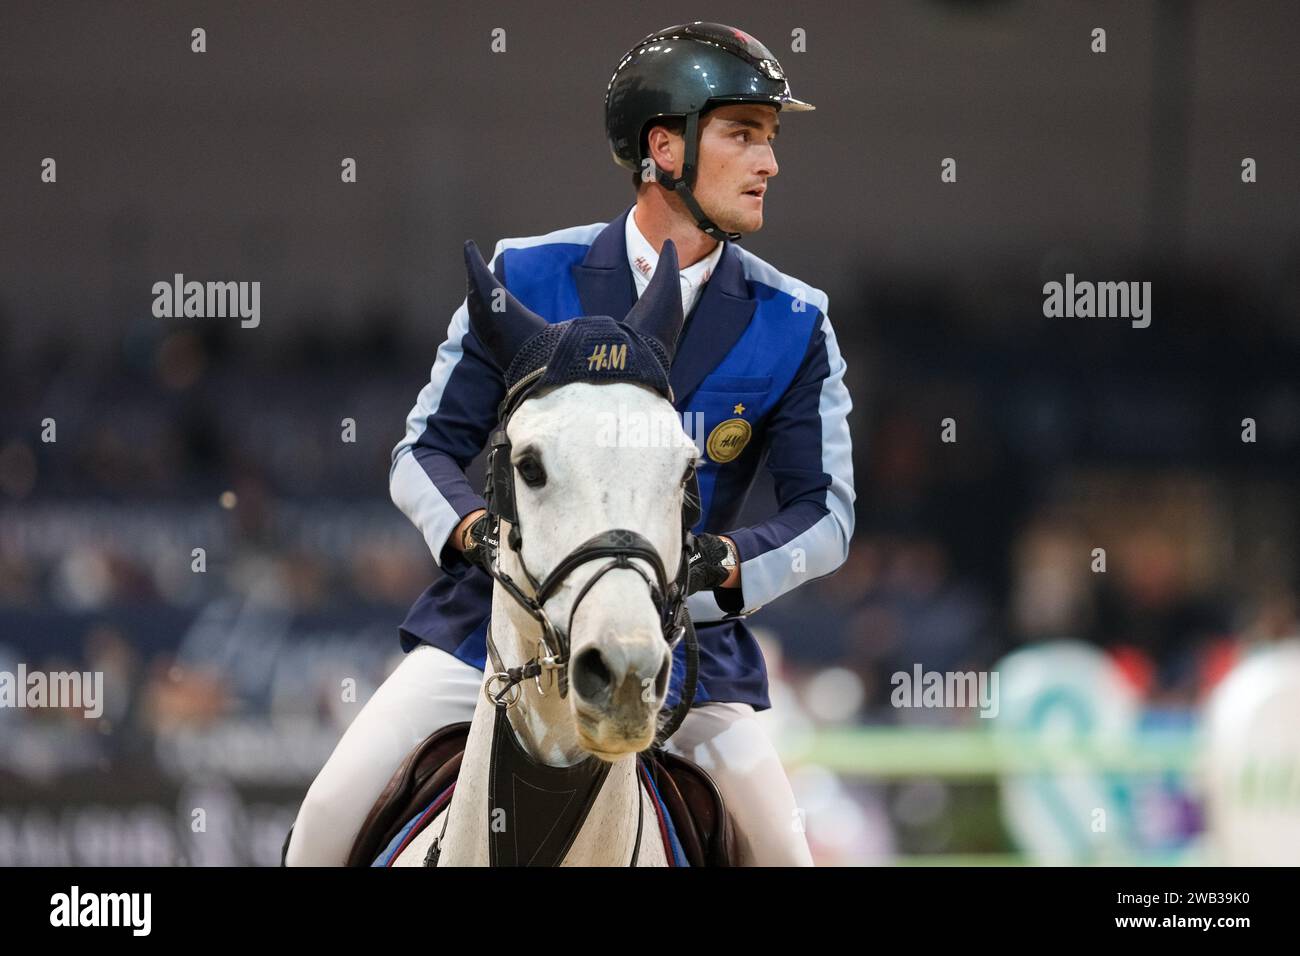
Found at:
(692, 111)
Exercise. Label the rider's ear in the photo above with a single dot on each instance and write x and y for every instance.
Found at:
(498, 320)
(658, 313)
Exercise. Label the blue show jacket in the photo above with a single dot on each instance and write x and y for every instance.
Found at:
(757, 347)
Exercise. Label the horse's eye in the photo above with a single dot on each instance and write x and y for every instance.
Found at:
(531, 471)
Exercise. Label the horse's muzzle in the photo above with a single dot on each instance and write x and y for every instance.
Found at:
(618, 687)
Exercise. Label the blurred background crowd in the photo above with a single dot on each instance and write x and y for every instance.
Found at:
(223, 687)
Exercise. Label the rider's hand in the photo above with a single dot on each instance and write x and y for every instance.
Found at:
(477, 544)
(705, 563)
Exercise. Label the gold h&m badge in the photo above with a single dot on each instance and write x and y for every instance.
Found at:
(729, 438)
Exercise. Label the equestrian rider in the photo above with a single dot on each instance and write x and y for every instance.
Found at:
(692, 111)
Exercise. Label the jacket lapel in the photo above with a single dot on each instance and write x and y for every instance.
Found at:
(717, 322)
(604, 278)
(604, 283)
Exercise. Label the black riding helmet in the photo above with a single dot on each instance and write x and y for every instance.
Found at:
(682, 71)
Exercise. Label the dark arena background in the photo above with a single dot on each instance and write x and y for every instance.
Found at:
(1095, 517)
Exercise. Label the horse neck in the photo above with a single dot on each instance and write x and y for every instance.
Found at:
(545, 729)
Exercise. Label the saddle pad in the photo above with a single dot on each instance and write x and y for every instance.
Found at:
(668, 830)
(413, 828)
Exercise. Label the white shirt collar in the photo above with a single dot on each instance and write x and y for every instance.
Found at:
(643, 259)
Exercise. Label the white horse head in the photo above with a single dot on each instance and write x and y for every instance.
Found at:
(588, 454)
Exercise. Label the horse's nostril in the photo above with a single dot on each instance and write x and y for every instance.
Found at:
(591, 676)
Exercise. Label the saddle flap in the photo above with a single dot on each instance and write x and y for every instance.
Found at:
(704, 826)
(688, 834)
(428, 770)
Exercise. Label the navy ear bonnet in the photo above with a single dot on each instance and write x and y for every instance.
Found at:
(591, 349)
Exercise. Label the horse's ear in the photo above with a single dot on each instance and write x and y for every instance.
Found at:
(498, 320)
(658, 313)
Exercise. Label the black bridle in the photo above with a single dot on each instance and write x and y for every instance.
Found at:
(621, 546)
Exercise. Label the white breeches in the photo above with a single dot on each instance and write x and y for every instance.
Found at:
(431, 688)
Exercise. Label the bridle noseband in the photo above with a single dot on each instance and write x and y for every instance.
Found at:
(621, 546)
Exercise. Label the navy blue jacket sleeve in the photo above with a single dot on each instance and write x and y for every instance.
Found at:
(448, 427)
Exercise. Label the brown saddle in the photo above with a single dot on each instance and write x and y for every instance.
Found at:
(704, 827)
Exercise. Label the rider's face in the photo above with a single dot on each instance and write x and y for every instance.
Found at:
(736, 159)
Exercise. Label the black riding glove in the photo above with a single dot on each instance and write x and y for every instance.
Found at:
(480, 544)
(704, 564)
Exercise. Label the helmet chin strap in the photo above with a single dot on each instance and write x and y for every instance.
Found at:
(681, 185)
